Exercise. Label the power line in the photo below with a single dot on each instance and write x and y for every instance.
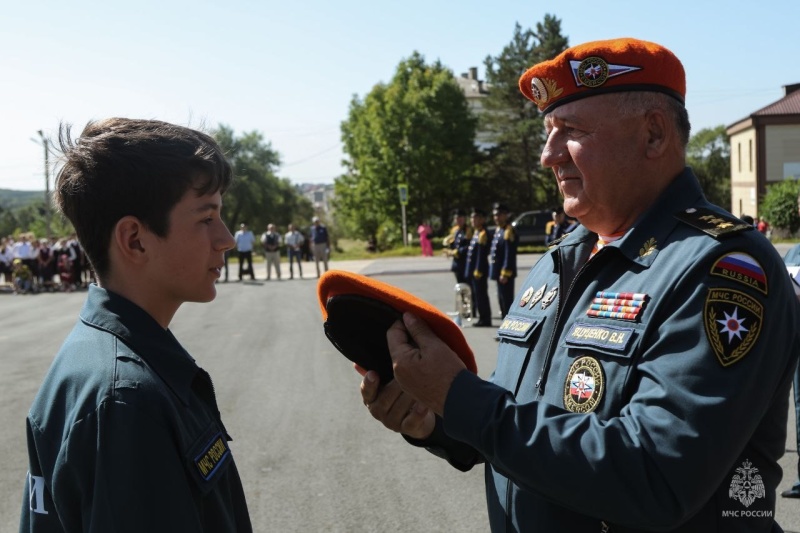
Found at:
(312, 156)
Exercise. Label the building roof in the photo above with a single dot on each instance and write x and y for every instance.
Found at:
(471, 85)
(785, 109)
(788, 105)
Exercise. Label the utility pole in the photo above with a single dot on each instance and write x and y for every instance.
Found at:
(403, 190)
(46, 183)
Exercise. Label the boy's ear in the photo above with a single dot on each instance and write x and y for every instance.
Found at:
(129, 237)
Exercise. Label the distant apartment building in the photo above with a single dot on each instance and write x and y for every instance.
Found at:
(475, 91)
(320, 196)
(765, 148)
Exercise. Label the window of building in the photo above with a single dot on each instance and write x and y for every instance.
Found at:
(750, 155)
(739, 155)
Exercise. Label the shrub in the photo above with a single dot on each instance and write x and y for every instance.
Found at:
(779, 205)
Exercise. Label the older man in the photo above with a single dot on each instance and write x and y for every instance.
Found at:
(643, 372)
(271, 241)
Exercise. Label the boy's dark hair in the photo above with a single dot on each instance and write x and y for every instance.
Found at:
(126, 167)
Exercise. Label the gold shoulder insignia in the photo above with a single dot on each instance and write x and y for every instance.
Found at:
(483, 240)
(648, 248)
(509, 234)
(556, 242)
(715, 224)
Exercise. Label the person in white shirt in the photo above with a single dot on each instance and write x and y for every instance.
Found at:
(244, 247)
(294, 249)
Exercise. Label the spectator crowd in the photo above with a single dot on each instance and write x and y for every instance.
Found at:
(29, 265)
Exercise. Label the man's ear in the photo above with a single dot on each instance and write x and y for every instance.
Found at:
(129, 238)
(658, 133)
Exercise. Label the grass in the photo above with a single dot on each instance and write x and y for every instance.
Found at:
(350, 249)
(354, 249)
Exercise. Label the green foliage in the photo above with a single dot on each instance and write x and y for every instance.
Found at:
(11, 199)
(708, 153)
(258, 196)
(779, 205)
(418, 130)
(24, 212)
(389, 235)
(510, 171)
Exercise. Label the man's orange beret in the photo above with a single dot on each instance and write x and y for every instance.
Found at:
(602, 67)
(358, 311)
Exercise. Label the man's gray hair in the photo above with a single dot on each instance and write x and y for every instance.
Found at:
(639, 102)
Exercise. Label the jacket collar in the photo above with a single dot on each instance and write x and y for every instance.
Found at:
(641, 243)
(108, 311)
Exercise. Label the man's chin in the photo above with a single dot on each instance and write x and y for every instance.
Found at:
(572, 207)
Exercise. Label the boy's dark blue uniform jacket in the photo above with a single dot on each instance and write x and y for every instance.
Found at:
(125, 434)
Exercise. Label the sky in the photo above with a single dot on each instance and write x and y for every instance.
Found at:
(290, 69)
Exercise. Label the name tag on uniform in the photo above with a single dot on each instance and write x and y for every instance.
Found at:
(212, 457)
(517, 327)
(609, 337)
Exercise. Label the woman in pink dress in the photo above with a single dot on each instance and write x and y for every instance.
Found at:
(425, 233)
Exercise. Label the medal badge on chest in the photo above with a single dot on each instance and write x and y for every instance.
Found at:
(537, 296)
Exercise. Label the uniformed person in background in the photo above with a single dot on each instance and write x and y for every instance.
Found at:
(125, 433)
(559, 226)
(503, 258)
(644, 369)
(476, 269)
(456, 245)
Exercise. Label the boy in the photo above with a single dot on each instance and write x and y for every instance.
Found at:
(125, 433)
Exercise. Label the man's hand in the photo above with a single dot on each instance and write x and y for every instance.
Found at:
(424, 365)
(394, 408)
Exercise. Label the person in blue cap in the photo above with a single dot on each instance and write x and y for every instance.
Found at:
(503, 258)
(476, 268)
(643, 371)
(456, 245)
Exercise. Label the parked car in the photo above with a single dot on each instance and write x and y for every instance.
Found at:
(530, 227)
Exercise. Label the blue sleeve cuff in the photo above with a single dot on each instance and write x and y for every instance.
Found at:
(470, 403)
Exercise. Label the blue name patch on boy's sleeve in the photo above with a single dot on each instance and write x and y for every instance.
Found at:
(212, 457)
(516, 327)
(609, 337)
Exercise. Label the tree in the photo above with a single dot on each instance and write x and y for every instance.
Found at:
(258, 196)
(510, 171)
(31, 216)
(779, 205)
(417, 129)
(708, 153)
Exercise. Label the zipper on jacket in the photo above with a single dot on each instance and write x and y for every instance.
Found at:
(562, 297)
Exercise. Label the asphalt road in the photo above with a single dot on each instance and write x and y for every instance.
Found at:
(310, 456)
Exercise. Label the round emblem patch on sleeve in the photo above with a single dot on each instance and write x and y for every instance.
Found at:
(585, 385)
(733, 322)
